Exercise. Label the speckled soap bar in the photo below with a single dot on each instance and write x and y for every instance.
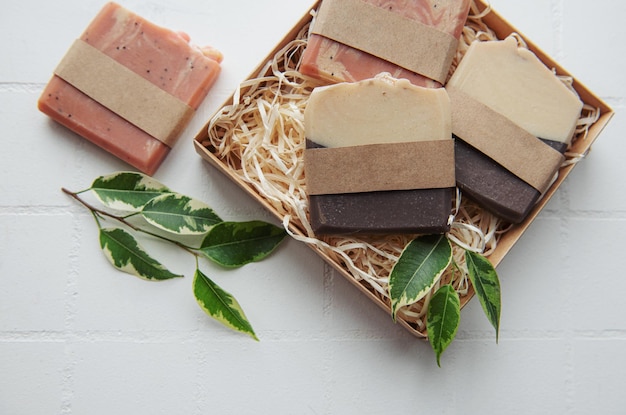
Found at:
(130, 86)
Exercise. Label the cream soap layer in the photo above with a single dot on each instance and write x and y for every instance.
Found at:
(513, 82)
(376, 111)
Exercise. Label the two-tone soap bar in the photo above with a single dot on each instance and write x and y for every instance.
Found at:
(352, 40)
(512, 119)
(130, 86)
(379, 158)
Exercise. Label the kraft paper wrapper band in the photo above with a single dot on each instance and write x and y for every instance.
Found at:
(380, 167)
(503, 141)
(124, 92)
(405, 42)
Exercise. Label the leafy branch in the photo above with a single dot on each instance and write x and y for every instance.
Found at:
(420, 267)
(171, 216)
(99, 213)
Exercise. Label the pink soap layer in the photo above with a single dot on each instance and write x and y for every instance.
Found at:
(331, 61)
(159, 55)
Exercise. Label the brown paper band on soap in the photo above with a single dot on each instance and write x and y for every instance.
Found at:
(388, 35)
(124, 92)
(380, 167)
(512, 147)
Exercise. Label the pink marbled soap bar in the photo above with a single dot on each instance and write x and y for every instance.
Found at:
(158, 55)
(332, 61)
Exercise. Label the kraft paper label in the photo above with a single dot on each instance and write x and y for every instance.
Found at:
(380, 167)
(388, 35)
(512, 147)
(124, 92)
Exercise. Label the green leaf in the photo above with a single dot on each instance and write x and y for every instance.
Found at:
(179, 214)
(123, 251)
(127, 191)
(234, 244)
(419, 267)
(442, 319)
(220, 305)
(487, 286)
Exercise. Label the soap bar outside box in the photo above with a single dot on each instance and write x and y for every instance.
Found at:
(129, 86)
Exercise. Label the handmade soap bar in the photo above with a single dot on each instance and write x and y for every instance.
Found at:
(379, 158)
(130, 86)
(353, 40)
(512, 119)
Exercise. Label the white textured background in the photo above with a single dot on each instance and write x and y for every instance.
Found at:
(78, 337)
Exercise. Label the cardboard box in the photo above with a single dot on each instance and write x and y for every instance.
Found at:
(506, 242)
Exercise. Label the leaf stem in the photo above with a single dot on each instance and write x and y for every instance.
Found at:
(99, 212)
(96, 218)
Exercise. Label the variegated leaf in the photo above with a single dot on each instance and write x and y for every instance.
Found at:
(180, 214)
(486, 284)
(234, 244)
(419, 267)
(127, 191)
(123, 251)
(443, 318)
(220, 305)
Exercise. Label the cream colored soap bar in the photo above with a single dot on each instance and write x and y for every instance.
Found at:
(379, 158)
(512, 81)
(512, 120)
(375, 111)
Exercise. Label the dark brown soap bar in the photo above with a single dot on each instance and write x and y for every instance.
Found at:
(493, 187)
(389, 212)
(422, 211)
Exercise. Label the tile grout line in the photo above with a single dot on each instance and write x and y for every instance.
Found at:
(558, 7)
(570, 371)
(28, 87)
(557, 24)
(71, 295)
(564, 254)
(328, 275)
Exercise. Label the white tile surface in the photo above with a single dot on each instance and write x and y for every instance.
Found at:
(33, 376)
(78, 337)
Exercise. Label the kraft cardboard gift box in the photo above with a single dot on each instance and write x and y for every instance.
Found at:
(507, 240)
